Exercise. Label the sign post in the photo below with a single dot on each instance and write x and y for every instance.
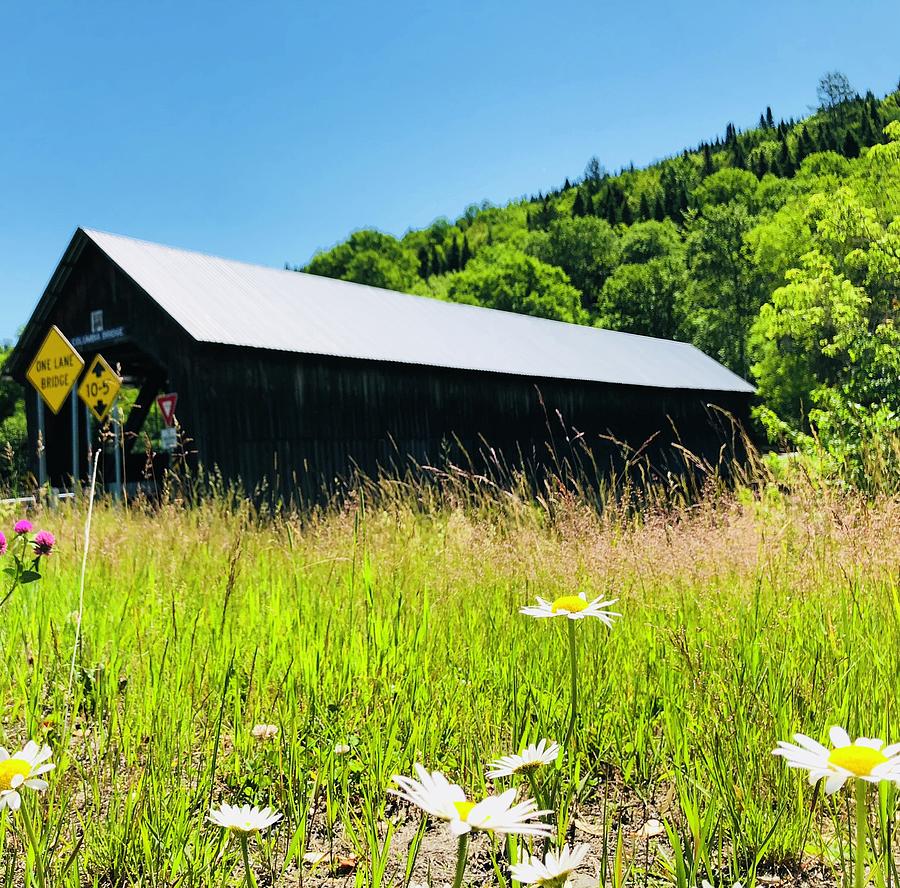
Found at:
(53, 372)
(99, 387)
(88, 440)
(169, 436)
(55, 369)
(76, 473)
(99, 390)
(41, 435)
(166, 404)
(117, 434)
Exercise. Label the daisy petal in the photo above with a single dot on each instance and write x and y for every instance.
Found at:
(834, 783)
(839, 737)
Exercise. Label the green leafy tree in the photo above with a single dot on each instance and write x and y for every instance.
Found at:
(586, 249)
(505, 278)
(646, 298)
(725, 186)
(827, 344)
(724, 293)
(13, 427)
(369, 257)
(650, 240)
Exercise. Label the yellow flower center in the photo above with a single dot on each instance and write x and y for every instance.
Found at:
(571, 603)
(463, 809)
(10, 768)
(858, 760)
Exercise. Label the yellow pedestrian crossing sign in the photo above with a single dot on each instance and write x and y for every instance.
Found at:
(99, 387)
(55, 369)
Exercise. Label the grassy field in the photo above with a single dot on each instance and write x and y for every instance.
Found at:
(376, 638)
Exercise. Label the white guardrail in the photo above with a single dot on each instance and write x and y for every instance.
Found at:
(32, 500)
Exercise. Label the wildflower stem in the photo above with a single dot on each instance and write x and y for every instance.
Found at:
(32, 838)
(570, 733)
(245, 851)
(859, 869)
(461, 854)
(532, 782)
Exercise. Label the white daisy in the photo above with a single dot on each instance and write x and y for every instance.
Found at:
(553, 871)
(533, 756)
(575, 607)
(863, 758)
(498, 814)
(435, 795)
(23, 769)
(244, 819)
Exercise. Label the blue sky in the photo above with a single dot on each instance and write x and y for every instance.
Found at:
(263, 131)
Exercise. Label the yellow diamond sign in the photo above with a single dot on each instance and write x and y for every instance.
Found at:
(99, 387)
(55, 369)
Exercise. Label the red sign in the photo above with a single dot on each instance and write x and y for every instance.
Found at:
(166, 404)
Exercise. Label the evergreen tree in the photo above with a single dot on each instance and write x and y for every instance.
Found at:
(785, 163)
(670, 195)
(588, 203)
(466, 252)
(683, 200)
(611, 206)
(567, 185)
(436, 263)
(645, 212)
(762, 121)
(868, 134)
(737, 155)
(659, 212)
(850, 147)
(770, 120)
(578, 207)
(424, 264)
(805, 144)
(708, 168)
(877, 117)
(730, 134)
(453, 255)
(761, 167)
(593, 173)
(627, 215)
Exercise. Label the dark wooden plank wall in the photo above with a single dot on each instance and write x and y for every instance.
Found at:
(314, 417)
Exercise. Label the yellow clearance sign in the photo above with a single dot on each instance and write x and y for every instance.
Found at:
(55, 369)
(99, 387)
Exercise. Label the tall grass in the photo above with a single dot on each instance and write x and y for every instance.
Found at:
(388, 622)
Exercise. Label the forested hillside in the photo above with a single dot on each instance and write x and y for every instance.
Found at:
(775, 249)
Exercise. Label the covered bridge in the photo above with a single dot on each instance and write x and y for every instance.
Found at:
(293, 380)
